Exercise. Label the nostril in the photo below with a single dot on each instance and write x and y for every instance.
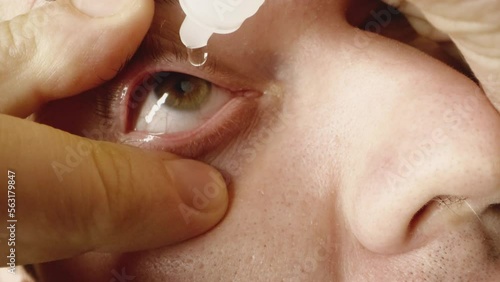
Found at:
(495, 208)
(436, 204)
(490, 220)
(396, 221)
(493, 211)
(447, 213)
(440, 212)
(419, 217)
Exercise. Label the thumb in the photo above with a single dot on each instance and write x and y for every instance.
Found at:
(68, 195)
(66, 47)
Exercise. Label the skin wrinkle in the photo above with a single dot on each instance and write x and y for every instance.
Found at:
(295, 163)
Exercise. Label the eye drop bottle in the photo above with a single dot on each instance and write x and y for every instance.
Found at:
(206, 17)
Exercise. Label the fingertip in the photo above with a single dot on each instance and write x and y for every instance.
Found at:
(201, 188)
(190, 199)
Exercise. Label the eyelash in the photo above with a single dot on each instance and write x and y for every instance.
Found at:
(105, 103)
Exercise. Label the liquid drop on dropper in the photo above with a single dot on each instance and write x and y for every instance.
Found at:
(198, 56)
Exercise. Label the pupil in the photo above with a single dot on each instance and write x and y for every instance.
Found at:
(183, 87)
(182, 92)
(186, 86)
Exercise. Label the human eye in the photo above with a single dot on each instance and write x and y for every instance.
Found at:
(182, 113)
(176, 103)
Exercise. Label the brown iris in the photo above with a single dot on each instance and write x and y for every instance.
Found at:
(185, 92)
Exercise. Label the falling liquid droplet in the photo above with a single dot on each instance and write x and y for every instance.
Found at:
(198, 56)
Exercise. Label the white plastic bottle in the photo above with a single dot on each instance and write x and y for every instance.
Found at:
(206, 17)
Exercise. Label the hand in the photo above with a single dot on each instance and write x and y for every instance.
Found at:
(73, 195)
(474, 26)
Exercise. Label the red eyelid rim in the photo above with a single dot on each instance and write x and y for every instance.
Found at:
(224, 113)
(233, 118)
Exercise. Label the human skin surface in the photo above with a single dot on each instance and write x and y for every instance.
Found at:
(354, 157)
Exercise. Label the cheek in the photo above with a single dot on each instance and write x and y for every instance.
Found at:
(281, 223)
(284, 194)
(286, 144)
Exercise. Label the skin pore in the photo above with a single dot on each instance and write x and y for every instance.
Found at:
(354, 157)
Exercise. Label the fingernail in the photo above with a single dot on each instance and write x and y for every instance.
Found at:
(99, 8)
(199, 185)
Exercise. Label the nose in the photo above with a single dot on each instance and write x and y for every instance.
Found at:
(442, 172)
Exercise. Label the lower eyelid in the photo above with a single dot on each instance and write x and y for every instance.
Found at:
(220, 128)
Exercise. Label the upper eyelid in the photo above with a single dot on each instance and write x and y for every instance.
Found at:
(165, 46)
(171, 55)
